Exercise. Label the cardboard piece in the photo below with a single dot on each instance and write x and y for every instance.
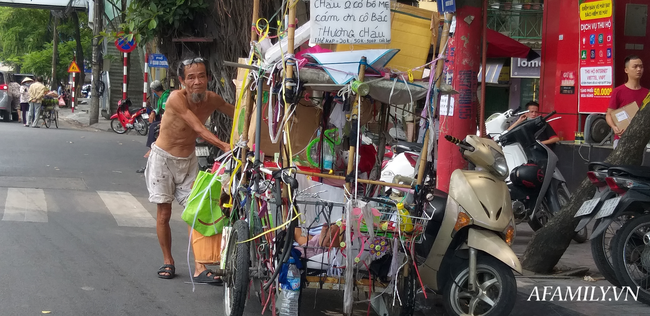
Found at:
(623, 116)
(207, 250)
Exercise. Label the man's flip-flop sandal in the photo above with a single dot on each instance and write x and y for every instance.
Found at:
(208, 276)
(169, 269)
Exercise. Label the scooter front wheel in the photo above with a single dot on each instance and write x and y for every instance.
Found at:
(117, 127)
(496, 294)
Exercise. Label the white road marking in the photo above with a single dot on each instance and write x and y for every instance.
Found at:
(126, 210)
(25, 205)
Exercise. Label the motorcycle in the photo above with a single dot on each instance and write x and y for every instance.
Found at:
(536, 185)
(403, 160)
(600, 239)
(128, 117)
(202, 152)
(466, 254)
(630, 246)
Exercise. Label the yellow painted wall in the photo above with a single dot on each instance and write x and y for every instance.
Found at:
(410, 33)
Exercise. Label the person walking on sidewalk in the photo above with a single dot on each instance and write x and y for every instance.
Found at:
(37, 92)
(172, 166)
(631, 91)
(24, 98)
(155, 116)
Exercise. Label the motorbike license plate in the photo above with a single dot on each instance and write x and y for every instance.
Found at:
(202, 151)
(608, 207)
(587, 207)
(145, 116)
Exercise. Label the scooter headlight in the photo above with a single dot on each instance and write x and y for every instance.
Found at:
(500, 165)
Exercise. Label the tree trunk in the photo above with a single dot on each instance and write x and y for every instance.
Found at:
(96, 78)
(550, 242)
(55, 52)
(81, 79)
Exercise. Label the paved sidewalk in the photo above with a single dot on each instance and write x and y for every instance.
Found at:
(81, 117)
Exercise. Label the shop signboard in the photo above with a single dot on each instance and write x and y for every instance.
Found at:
(596, 79)
(350, 21)
(523, 68)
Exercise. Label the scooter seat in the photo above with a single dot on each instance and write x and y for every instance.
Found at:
(598, 165)
(639, 172)
(401, 147)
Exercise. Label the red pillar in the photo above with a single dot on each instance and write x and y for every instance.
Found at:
(463, 63)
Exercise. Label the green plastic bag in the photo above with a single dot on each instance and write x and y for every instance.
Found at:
(202, 210)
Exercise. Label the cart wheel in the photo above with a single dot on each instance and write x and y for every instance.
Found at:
(237, 266)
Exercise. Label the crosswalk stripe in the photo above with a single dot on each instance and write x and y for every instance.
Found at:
(25, 205)
(126, 210)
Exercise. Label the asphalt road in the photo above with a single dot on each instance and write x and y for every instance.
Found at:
(68, 246)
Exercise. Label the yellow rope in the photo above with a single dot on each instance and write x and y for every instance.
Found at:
(270, 230)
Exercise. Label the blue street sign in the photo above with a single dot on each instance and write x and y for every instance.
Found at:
(446, 6)
(158, 61)
(87, 69)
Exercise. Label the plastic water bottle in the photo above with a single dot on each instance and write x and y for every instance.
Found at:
(291, 292)
(327, 159)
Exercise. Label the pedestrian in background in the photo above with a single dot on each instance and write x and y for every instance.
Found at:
(24, 98)
(155, 116)
(36, 93)
(630, 91)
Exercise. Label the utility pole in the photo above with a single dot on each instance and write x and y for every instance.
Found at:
(97, 28)
(55, 53)
(464, 56)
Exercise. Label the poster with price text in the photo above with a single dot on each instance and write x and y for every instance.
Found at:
(350, 21)
(596, 55)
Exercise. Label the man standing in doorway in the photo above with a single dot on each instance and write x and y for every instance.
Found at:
(36, 93)
(627, 93)
(172, 166)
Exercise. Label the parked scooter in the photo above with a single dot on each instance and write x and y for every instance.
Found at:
(630, 247)
(466, 252)
(404, 161)
(128, 117)
(600, 240)
(536, 185)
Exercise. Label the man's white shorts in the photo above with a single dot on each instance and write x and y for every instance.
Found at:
(169, 177)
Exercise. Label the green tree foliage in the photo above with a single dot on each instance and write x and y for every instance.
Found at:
(22, 31)
(147, 19)
(26, 40)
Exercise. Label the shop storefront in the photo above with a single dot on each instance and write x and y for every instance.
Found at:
(585, 45)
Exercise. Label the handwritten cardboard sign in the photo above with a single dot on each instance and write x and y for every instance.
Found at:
(350, 21)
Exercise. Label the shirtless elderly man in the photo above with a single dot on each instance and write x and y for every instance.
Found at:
(172, 166)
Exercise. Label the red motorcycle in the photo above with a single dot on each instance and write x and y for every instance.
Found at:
(123, 120)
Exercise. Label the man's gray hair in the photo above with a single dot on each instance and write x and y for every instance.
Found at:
(157, 86)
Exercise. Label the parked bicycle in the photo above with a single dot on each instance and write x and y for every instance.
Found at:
(50, 112)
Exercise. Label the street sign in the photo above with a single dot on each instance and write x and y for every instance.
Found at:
(158, 61)
(124, 45)
(446, 6)
(73, 67)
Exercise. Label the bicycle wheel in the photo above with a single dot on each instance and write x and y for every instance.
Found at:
(46, 119)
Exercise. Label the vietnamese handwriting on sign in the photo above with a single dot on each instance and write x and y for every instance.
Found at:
(350, 21)
(596, 10)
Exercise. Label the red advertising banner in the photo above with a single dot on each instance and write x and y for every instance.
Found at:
(596, 55)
